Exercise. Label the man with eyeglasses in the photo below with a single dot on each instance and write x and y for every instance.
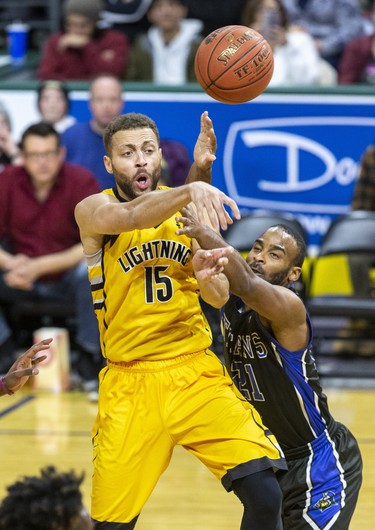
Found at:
(41, 256)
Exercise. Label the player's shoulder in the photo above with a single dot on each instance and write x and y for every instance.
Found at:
(102, 197)
(92, 202)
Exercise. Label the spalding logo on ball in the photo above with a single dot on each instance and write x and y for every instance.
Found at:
(234, 64)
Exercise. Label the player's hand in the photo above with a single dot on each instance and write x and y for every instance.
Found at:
(208, 264)
(210, 201)
(206, 144)
(25, 366)
(189, 220)
(72, 40)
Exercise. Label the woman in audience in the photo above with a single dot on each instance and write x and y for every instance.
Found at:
(53, 105)
(331, 23)
(9, 152)
(297, 61)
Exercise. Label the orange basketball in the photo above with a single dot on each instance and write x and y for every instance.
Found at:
(234, 64)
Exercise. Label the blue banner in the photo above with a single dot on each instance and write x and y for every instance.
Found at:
(296, 153)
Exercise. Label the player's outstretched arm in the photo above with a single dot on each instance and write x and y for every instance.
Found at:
(204, 152)
(276, 303)
(103, 214)
(23, 368)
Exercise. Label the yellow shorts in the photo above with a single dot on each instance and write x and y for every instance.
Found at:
(148, 407)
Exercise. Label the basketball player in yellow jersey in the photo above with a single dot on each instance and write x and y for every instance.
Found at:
(162, 386)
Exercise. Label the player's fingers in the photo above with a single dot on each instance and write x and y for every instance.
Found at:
(25, 372)
(40, 346)
(221, 252)
(212, 214)
(39, 360)
(233, 206)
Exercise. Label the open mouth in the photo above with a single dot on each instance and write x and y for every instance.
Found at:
(142, 182)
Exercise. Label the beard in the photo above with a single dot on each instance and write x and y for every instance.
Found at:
(128, 187)
(278, 278)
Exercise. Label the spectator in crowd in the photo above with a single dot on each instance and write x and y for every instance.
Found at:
(82, 50)
(84, 141)
(357, 64)
(41, 256)
(364, 199)
(215, 14)
(53, 104)
(367, 12)
(23, 367)
(9, 152)
(296, 59)
(49, 501)
(165, 54)
(332, 23)
(130, 16)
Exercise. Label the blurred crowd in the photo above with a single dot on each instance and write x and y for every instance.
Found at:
(315, 42)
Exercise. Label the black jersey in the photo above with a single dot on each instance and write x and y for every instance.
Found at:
(320, 489)
(282, 385)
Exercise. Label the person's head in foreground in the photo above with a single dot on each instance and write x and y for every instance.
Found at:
(50, 501)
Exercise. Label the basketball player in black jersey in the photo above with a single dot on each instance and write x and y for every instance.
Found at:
(267, 348)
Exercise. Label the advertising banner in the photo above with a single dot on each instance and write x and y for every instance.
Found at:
(290, 152)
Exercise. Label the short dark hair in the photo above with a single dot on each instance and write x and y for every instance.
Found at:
(39, 129)
(46, 502)
(126, 122)
(300, 242)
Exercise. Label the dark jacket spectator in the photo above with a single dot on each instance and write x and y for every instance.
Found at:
(215, 14)
(128, 16)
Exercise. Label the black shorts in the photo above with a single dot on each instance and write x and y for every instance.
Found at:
(321, 488)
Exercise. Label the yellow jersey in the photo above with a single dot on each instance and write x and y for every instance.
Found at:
(145, 295)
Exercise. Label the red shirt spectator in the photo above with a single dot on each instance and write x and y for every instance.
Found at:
(358, 62)
(106, 54)
(41, 256)
(83, 51)
(38, 228)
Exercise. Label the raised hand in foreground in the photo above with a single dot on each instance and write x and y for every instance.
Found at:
(24, 366)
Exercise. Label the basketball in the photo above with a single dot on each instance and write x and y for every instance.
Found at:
(234, 64)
